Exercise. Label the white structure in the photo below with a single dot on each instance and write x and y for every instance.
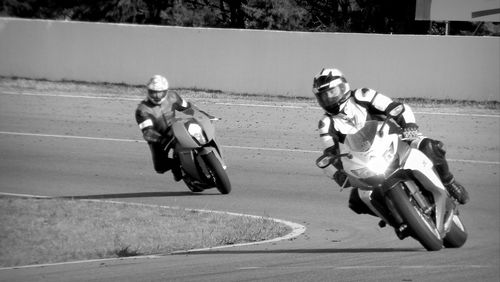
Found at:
(251, 61)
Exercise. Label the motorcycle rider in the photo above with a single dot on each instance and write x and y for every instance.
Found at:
(154, 115)
(346, 111)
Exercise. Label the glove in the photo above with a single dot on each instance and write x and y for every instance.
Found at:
(411, 132)
(151, 135)
(340, 177)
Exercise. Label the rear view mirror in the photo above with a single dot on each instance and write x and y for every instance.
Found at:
(398, 110)
(323, 161)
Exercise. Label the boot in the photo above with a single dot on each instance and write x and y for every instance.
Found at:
(176, 171)
(357, 205)
(457, 191)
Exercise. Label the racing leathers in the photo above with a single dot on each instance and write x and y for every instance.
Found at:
(367, 104)
(155, 121)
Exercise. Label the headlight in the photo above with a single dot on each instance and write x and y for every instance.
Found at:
(363, 172)
(376, 165)
(197, 133)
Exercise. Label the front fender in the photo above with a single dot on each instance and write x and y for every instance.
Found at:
(423, 170)
(209, 149)
(418, 161)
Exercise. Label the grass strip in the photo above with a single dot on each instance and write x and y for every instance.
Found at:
(37, 231)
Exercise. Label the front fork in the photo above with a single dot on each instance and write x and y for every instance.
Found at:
(383, 207)
(416, 194)
(376, 200)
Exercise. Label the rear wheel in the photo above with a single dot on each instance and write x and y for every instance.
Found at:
(457, 235)
(422, 226)
(218, 173)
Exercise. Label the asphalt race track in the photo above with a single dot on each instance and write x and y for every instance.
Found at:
(89, 147)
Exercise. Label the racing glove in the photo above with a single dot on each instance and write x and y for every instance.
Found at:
(151, 135)
(410, 132)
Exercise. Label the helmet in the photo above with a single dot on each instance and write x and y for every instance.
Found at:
(157, 89)
(331, 89)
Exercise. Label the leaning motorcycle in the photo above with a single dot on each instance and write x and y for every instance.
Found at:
(198, 154)
(399, 184)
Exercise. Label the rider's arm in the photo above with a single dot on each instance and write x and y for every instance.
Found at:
(329, 137)
(327, 132)
(378, 103)
(145, 123)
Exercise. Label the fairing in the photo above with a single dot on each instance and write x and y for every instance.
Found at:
(190, 149)
(398, 163)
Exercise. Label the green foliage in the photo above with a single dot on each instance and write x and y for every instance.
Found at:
(276, 15)
(377, 16)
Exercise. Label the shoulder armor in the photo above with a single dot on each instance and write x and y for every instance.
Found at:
(324, 124)
(365, 94)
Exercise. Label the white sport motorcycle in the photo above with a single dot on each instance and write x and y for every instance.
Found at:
(400, 185)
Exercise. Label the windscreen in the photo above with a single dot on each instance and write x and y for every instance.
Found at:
(362, 140)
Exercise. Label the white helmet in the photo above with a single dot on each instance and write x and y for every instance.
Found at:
(331, 90)
(157, 89)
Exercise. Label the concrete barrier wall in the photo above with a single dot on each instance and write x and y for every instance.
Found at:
(251, 61)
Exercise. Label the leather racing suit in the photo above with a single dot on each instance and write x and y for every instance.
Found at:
(155, 121)
(367, 104)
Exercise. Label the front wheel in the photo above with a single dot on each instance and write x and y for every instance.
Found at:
(421, 225)
(218, 173)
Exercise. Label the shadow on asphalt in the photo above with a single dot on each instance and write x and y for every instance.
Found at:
(136, 195)
(302, 251)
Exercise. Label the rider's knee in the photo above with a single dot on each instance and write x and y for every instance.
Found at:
(357, 205)
(161, 166)
(160, 170)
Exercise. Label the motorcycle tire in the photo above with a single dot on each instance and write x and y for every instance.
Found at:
(456, 237)
(422, 229)
(219, 174)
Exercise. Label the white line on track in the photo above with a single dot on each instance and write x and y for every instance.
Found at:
(72, 96)
(228, 104)
(296, 230)
(76, 262)
(224, 146)
(369, 267)
(69, 136)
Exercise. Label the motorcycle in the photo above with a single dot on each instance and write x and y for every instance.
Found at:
(198, 154)
(399, 184)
